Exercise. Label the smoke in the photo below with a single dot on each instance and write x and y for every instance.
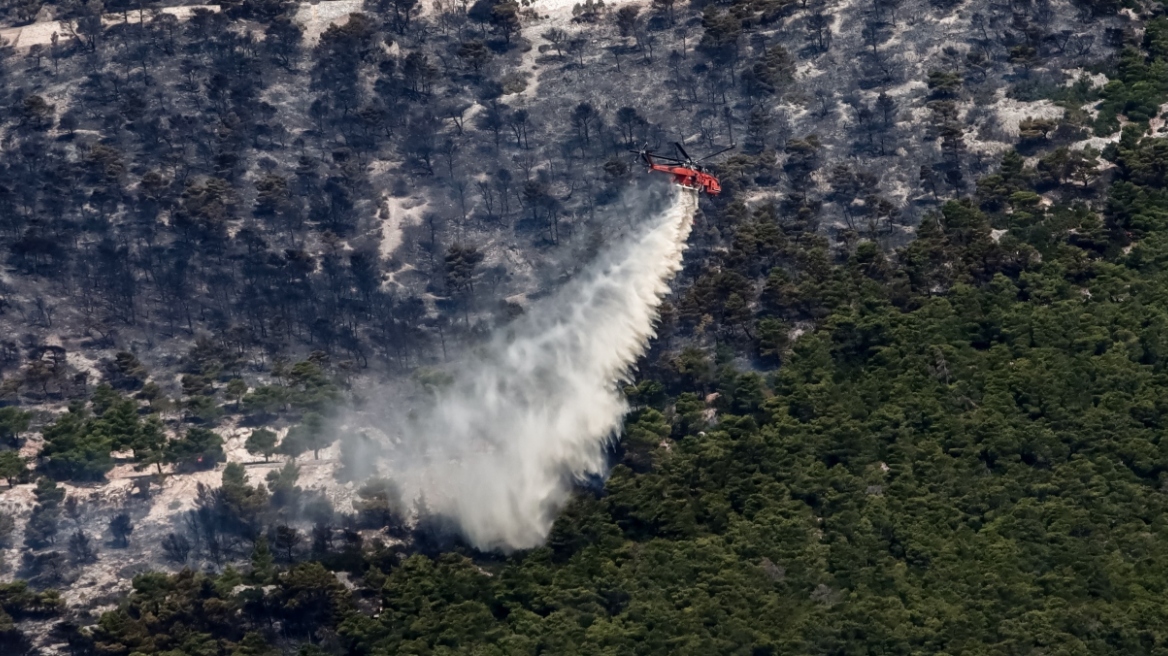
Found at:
(531, 413)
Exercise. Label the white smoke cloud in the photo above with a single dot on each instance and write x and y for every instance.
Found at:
(533, 410)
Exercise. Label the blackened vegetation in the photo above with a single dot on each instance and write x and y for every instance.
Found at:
(224, 176)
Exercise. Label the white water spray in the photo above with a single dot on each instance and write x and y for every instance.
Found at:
(532, 413)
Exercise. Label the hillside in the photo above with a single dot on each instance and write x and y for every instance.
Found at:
(281, 186)
(904, 394)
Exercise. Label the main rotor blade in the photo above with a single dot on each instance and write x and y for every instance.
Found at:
(666, 158)
(717, 153)
(681, 150)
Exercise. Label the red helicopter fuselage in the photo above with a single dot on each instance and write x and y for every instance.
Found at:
(690, 177)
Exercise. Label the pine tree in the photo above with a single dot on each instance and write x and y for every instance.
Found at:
(13, 421)
(121, 526)
(309, 435)
(282, 484)
(261, 442)
(150, 444)
(12, 467)
(200, 449)
(81, 549)
(262, 562)
(42, 526)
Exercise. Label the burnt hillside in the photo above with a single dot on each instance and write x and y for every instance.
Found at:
(278, 184)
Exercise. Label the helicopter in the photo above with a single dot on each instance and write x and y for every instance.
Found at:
(686, 171)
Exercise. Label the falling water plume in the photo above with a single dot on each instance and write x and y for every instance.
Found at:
(532, 413)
